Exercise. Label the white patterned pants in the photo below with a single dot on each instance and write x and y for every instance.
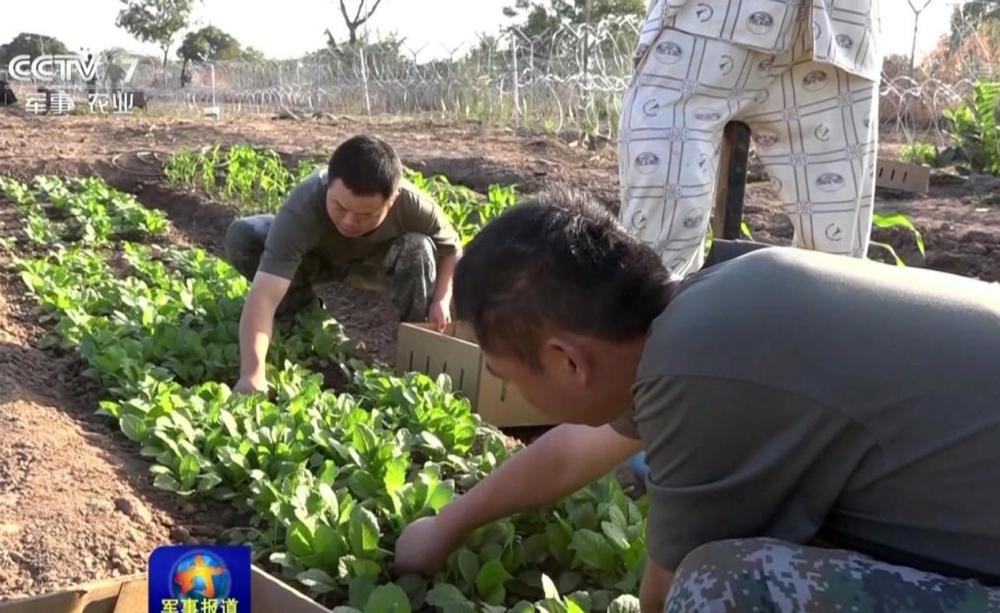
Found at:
(815, 128)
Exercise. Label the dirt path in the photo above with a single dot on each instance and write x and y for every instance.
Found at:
(958, 221)
(468, 153)
(76, 500)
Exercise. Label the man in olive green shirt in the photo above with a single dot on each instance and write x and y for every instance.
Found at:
(357, 220)
(822, 432)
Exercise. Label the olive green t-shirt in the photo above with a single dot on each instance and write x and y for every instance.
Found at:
(799, 395)
(303, 226)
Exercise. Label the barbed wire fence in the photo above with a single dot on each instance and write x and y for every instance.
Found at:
(572, 78)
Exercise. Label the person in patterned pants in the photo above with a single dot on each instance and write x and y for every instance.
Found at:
(803, 76)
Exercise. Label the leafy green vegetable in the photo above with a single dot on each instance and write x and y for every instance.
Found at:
(490, 582)
(388, 598)
(328, 479)
(364, 532)
(447, 597)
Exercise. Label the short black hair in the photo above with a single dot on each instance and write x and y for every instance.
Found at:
(557, 259)
(367, 165)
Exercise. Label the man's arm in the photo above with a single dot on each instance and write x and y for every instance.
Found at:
(424, 215)
(655, 587)
(256, 326)
(568, 456)
(440, 307)
(445, 274)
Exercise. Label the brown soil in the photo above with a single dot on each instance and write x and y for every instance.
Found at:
(958, 222)
(956, 219)
(76, 500)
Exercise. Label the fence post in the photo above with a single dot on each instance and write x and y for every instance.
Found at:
(586, 95)
(916, 23)
(364, 80)
(315, 84)
(516, 83)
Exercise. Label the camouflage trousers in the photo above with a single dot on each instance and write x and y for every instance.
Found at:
(768, 575)
(407, 268)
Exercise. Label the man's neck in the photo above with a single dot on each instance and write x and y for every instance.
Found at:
(670, 290)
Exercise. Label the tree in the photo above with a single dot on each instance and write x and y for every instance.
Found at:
(542, 17)
(917, 6)
(207, 44)
(386, 50)
(539, 19)
(155, 21)
(360, 17)
(30, 44)
(967, 17)
(250, 54)
(895, 65)
(972, 48)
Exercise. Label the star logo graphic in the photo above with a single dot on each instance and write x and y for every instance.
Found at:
(186, 578)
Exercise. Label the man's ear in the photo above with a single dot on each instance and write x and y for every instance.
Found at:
(567, 358)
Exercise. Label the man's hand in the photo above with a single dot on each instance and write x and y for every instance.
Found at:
(439, 314)
(256, 325)
(439, 310)
(425, 545)
(251, 384)
(569, 456)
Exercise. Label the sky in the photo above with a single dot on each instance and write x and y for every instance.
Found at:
(432, 28)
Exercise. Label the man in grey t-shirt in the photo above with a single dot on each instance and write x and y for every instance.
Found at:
(822, 432)
(356, 221)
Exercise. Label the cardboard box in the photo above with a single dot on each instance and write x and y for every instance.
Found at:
(902, 176)
(131, 595)
(455, 352)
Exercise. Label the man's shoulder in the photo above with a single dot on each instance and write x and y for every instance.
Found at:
(415, 208)
(413, 198)
(309, 196)
(738, 278)
(749, 272)
(302, 217)
(717, 310)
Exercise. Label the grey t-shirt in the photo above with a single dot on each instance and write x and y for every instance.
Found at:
(806, 396)
(303, 226)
